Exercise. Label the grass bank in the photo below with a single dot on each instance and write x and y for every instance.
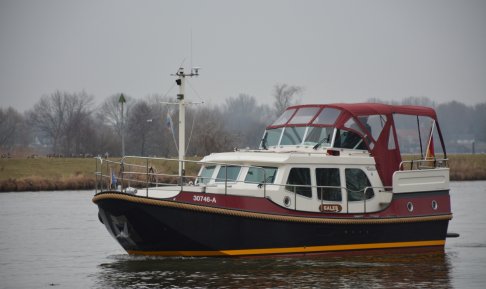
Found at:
(467, 167)
(20, 174)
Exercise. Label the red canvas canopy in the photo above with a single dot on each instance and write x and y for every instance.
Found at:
(384, 147)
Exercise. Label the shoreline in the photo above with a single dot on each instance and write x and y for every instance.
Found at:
(47, 174)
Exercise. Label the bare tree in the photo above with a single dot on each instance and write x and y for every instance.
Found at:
(59, 117)
(110, 111)
(77, 119)
(455, 128)
(48, 118)
(139, 126)
(418, 100)
(161, 140)
(285, 96)
(210, 134)
(245, 119)
(10, 126)
(411, 100)
(103, 139)
(479, 121)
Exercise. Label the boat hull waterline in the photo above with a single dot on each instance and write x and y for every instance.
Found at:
(148, 226)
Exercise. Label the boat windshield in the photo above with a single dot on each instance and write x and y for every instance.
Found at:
(321, 136)
(323, 127)
(293, 135)
(272, 137)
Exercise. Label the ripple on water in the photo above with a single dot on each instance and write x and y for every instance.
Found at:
(389, 271)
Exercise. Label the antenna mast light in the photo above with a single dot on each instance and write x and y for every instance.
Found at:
(182, 114)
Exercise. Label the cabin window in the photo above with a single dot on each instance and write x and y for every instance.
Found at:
(293, 136)
(260, 175)
(328, 184)
(437, 148)
(229, 173)
(415, 133)
(299, 181)
(304, 115)
(206, 174)
(411, 130)
(391, 139)
(407, 133)
(272, 137)
(351, 123)
(356, 183)
(328, 116)
(374, 124)
(349, 140)
(284, 118)
(319, 135)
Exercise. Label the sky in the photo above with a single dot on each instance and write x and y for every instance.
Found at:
(338, 51)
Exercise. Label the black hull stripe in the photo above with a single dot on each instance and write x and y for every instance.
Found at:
(272, 217)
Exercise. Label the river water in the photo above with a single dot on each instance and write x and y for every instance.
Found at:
(54, 240)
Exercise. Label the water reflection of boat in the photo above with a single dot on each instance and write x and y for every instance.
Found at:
(370, 271)
(326, 178)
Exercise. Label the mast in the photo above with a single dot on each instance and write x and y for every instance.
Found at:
(181, 82)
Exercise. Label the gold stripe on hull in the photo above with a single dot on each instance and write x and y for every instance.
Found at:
(293, 250)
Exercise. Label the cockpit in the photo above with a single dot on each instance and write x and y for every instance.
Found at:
(325, 127)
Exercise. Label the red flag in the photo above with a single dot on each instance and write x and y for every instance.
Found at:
(430, 154)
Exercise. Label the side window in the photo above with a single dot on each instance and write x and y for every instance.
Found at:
(356, 183)
(374, 123)
(349, 140)
(229, 172)
(206, 174)
(391, 140)
(328, 184)
(299, 181)
(260, 175)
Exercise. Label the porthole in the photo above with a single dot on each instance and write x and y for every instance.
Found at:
(286, 201)
(434, 205)
(410, 206)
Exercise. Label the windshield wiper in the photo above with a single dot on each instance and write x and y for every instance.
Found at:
(321, 142)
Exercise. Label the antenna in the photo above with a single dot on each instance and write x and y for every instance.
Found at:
(191, 47)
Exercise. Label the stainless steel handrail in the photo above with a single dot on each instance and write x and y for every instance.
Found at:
(424, 164)
(105, 165)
